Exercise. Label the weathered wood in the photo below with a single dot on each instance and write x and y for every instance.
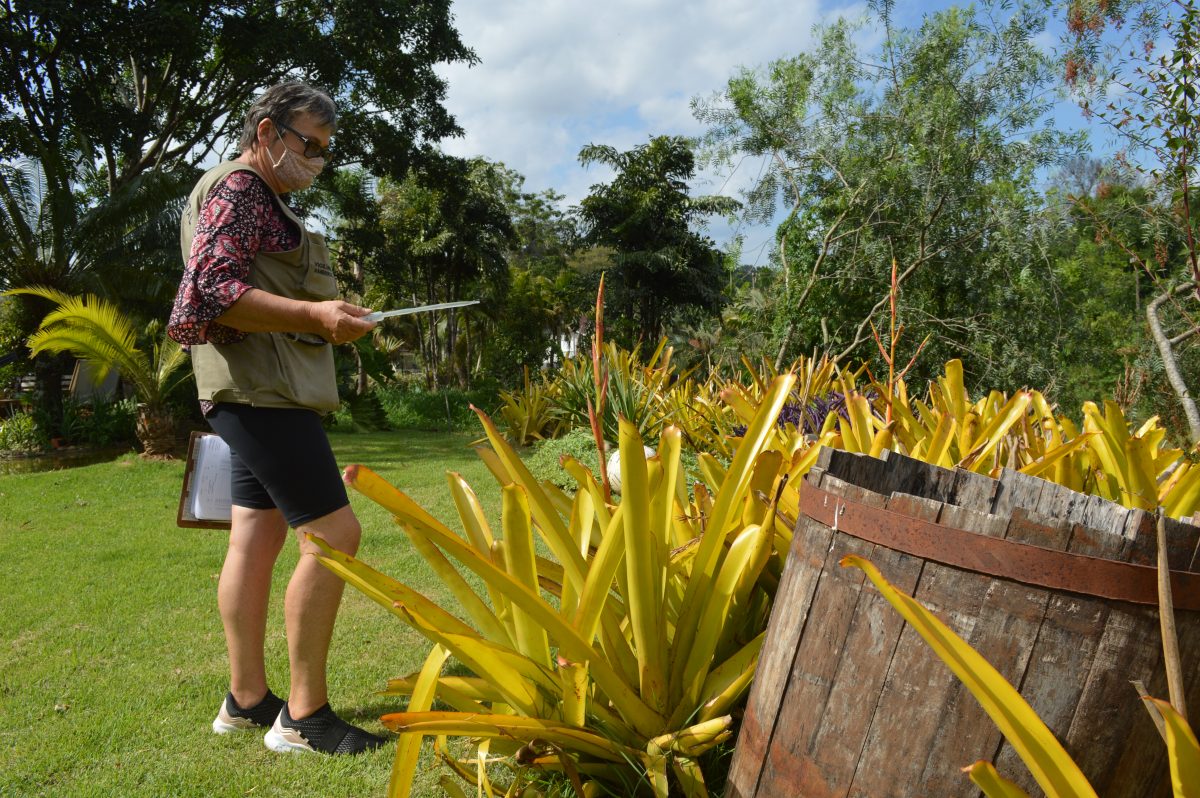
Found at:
(1128, 648)
(1009, 643)
(870, 642)
(1189, 646)
(1135, 631)
(816, 661)
(1143, 746)
(904, 475)
(1007, 627)
(1015, 489)
(858, 705)
(1062, 649)
(1068, 643)
(810, 543)
(973, 491)
(913, 698)
(897, 754)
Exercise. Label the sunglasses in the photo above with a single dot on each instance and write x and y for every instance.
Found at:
(312, 148)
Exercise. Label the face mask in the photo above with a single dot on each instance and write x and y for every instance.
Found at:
(293, 172)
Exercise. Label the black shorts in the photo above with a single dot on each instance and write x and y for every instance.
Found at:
(281, 458)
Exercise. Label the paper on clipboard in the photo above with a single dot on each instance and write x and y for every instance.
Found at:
(211, 497)
(205, 499)
(380, 315)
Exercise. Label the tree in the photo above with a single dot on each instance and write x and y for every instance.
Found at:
(124, 245)
(647, 217)
(1094, 326)
(1156, 111)
(110, 98)
(351, 200)
(550, 290)
(151, 85)
(104, 96)
(447, 231)
(925, 151)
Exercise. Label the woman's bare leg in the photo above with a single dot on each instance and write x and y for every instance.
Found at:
(243, 592)
(310, 608)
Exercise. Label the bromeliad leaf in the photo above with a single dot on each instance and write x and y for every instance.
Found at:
(992, 783)
(1183, 750)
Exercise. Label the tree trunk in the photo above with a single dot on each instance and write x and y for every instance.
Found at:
(49, 371)
(783, 347)
(1166, 351)
(360, 382)
(426, 353)
(156, 431)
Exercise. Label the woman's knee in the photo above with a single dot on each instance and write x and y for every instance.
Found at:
(339, 529)
(258, 533)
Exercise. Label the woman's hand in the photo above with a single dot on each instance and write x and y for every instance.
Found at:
(339, 322)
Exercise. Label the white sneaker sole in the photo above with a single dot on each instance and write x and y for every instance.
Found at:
(225, 723)
(286, 741)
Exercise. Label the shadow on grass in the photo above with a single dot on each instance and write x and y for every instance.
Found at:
(371, 712)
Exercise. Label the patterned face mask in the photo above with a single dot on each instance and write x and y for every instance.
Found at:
(293, 172)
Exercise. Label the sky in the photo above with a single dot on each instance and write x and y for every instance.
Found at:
(555, 75)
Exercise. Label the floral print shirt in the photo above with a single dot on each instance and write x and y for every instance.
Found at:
(240, 218)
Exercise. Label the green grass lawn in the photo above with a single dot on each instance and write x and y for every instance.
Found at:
(112, 660)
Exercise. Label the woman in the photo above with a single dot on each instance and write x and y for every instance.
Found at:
(257, 305)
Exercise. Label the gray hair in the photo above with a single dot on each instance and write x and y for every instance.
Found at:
(281, 103)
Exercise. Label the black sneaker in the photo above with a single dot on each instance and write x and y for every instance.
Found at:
(321, 731)
(233, 718)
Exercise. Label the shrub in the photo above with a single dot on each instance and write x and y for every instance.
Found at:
(620, 664)
(434, 411)
(99, 423)
(528, 412)
(636, 389)
(544, 459)
(21, 434)
(359, 413)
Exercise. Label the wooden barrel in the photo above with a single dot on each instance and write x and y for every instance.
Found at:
(1056, 589)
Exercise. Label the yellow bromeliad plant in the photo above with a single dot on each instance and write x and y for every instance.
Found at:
(618, 662)
(528, 412)
(1106, 457)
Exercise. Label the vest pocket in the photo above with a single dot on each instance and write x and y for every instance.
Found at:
(306, 373)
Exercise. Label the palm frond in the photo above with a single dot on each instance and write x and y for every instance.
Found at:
(169, 358)
(45, 292)
(135, 227)
(90, 344)
(19, 213)
(97, 331)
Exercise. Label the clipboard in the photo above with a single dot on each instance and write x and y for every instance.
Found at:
(204, 471)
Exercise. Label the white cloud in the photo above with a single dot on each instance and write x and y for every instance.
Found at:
(556, 75)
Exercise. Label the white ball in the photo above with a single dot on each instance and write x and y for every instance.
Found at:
(614, 467)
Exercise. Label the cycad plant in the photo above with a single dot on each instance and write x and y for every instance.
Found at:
(95, 330)
(618, 663)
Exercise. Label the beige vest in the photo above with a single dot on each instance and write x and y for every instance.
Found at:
(269, 369)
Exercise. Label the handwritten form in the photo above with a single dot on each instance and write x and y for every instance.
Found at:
(210, 491)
